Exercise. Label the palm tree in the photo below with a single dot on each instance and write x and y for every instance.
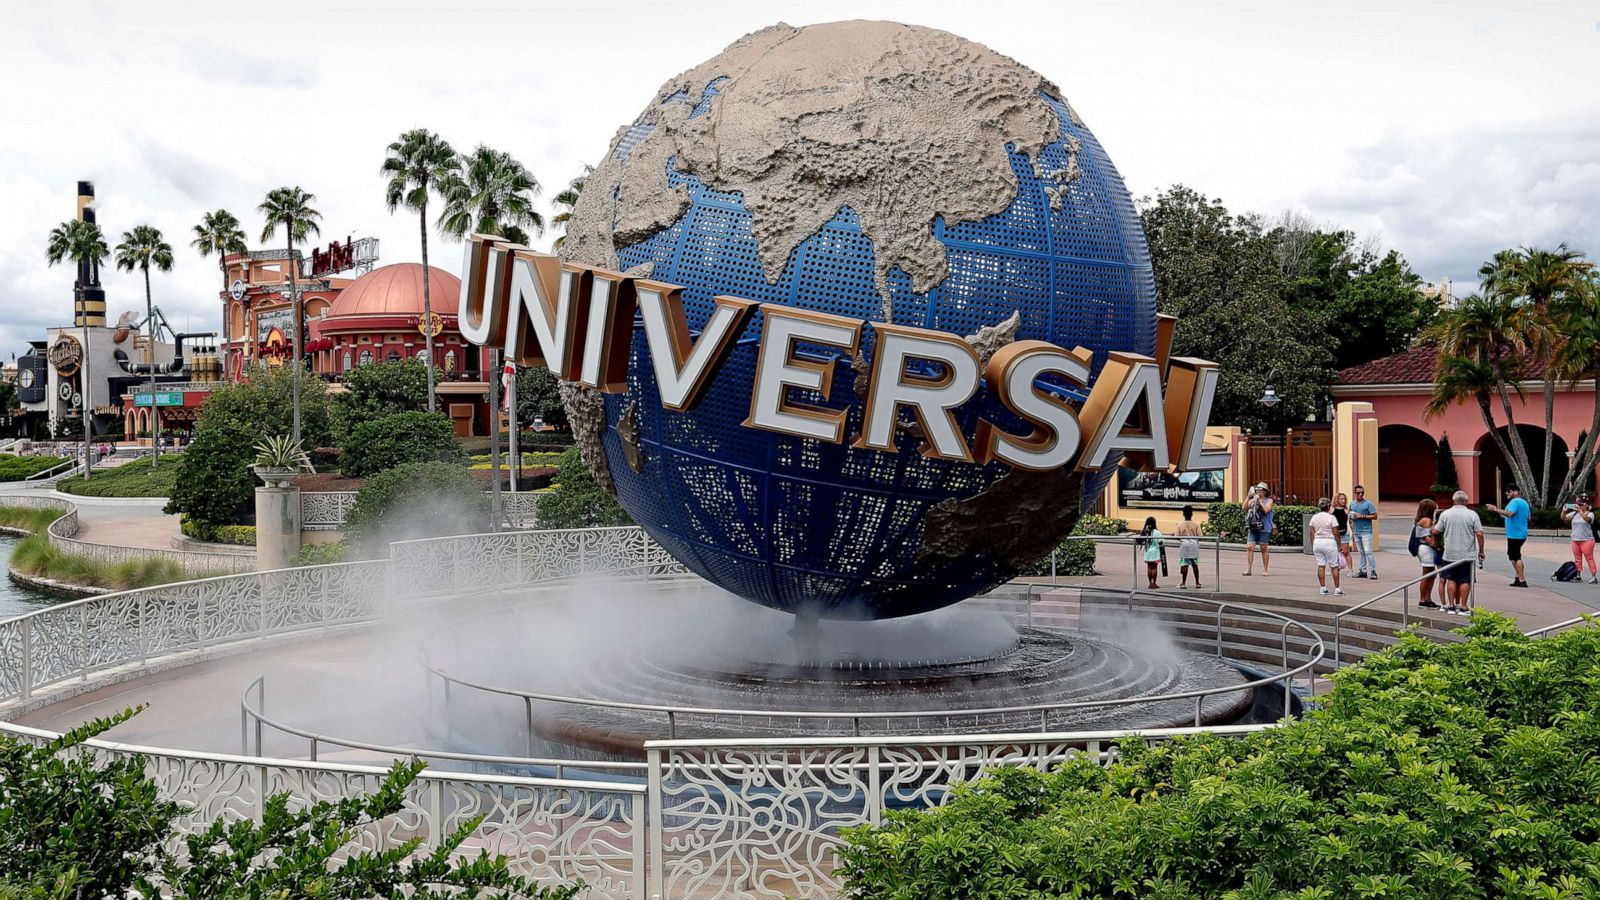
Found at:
(567, 201)
(1577, 358)
(290, 208)
(492, 194)
(140, 249)
(219, 233)
(1482, 343)
(82, 243)
(1540, 279)
(417, 163)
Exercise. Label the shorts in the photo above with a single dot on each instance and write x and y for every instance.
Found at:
(1189, 550)
(1427, 555)
(1514, 548)
(1260, 535)
(1457, 575)
(1327, 552)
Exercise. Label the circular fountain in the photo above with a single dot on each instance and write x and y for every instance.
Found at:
(614, 666)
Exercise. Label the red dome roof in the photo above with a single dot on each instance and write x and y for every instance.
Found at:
(397, 291)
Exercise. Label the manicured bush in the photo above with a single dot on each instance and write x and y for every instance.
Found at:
(18, 468)
(389, 441)
(377, 390)
(1432, 770)
(575, 500)
(138, 478)
(75, 823)
(1445, 479)
(1075, 558)
(1227, 520)
(214, 484)
(244, 535)
(319, 554)
(414, 500)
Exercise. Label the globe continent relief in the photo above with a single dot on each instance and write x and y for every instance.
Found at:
(889, 173)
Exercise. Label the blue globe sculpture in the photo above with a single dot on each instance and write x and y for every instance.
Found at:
(821, 529)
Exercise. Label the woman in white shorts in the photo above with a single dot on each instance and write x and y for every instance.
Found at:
(1325, 545)
(1422, 528)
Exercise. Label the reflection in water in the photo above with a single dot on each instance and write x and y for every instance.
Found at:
(16, 599)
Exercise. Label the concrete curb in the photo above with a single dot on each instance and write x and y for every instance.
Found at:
(143, 502)
(59, 587)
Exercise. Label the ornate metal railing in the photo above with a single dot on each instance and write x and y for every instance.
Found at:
(325, 510)
(552, 830)
(196, 564)
(506, 559)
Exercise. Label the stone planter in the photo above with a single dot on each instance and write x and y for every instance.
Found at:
(275, 476)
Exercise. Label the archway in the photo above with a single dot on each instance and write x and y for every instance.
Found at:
(1405, 462)
(1494, 474)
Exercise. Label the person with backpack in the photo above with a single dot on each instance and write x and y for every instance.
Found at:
(1150, 538)
(1422, 547)
(1581, 517)
(1258, 526)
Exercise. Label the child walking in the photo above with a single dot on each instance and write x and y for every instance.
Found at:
(1150, 537)
(1188, 535)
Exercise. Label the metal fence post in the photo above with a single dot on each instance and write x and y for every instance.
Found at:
(874, 786)
(83, 641)
(27, 657)
(1216, 572)
(653, 811)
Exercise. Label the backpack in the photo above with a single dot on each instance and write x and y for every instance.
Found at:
(1252, 517)
(1416, 541)
(1567, 572)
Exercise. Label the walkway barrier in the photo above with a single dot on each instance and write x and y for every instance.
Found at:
(62, 535)
(1404, 590)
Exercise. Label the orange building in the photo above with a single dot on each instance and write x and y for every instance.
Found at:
(353, 322)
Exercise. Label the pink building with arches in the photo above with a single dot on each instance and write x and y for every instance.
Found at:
(1398, 388)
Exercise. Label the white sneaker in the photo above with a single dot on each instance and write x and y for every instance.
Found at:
(1339, 591)
(1322, 590)
(1594, 579)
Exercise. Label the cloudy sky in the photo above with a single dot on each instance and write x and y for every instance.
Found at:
(1446, 130)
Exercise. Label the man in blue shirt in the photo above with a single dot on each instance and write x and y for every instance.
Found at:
(1362, 514)
(1516, 514)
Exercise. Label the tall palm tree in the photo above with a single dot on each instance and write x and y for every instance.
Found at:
(567, 201)
(1540, 279)
(492, 194)
(420, 162)
(1578, 358)
(290, 208)
(1482, 344)
(220, 233)
(82, 243)
(140, 249)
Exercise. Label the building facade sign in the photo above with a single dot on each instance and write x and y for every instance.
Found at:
(280, 319)
(66, 355)
(1169, 490)
(162, 398)
(352, 254)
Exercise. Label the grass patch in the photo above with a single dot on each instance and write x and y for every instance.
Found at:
(36, 557)
(16, 468)
(139, 478)
(28, 518)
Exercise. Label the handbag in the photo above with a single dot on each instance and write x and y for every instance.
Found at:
(1415, 543)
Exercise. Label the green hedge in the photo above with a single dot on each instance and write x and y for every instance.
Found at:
(244, 535)
(17, 468)
(1462, 770)
(1227, 520)
(319, 554)
(408, 437)
(1538, 518)
(1076, 558)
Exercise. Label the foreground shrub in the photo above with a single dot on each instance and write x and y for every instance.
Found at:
(319, 554)
(1461, 770)
(389, 441)
(576, 500)
(36, 557)
(139, 478)
(244, 535)
(414, 500)
(78, 824)
(28, 518)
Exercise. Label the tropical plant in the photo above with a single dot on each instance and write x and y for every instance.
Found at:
(1576, 359)
(406, 437)
(289, 208)
(1544, 281)
(567, 201)
(80, 242)
(418, 163)
(378, 390)
(140, 249)
(1460, 770)
(280, 451)
(1445, 479)
(492, 193)
(220, 233)
(79, 822)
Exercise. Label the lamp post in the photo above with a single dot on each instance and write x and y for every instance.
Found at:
(1270, 399)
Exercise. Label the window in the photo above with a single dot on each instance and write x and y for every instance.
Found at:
(393, 356)
(450, 361)
(346, 361)
(366, 357)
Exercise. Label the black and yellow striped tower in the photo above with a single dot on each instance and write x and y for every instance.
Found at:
(89, 299)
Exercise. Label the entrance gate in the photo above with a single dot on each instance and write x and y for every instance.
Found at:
(1302, 476)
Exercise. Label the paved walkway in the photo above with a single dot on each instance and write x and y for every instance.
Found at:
(105, 521)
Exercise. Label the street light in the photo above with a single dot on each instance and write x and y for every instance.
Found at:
(1270, 399)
